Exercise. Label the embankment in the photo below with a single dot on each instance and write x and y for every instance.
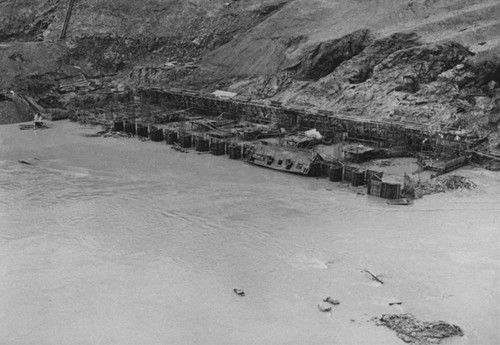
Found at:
(423, 61)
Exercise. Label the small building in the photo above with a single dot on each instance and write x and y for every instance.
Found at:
(360, 153)
(224, 94)
(383, 188)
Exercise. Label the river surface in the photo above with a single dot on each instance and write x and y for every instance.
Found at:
(117, 241)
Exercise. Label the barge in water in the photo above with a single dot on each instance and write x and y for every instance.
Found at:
(286, 158)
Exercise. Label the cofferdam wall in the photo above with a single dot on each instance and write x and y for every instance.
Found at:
(407, 136)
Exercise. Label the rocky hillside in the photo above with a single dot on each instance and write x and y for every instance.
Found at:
(419, 60)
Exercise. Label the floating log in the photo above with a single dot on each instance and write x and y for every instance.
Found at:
(239, 291)
(395, 303)
(331, 300)
(374, 277)
(22, 161)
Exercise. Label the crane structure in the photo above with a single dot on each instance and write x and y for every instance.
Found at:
(66, 21)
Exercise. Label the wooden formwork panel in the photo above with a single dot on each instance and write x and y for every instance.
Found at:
(375, 187)
(390, 190)
(358, 178)
(156, 134)
(170, 137)
(185, 140)
(234, 151)
(349, 172)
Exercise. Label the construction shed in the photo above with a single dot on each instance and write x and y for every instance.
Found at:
(224, 94)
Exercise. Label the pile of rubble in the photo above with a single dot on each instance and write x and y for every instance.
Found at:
(438, 185)
(411, 330)
(111, 133)
(443, 184)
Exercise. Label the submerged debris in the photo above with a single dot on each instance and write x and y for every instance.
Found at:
(324, 307)
(22, 161)
(331, 300)
(109, 133)
(239, 291)
(395, 303)
(411, 330)
(400, 201)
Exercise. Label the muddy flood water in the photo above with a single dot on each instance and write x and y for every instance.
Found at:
(117, 241)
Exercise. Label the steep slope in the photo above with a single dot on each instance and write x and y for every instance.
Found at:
(474, 24)
(419, 60)
(111, 37)
(422, 61)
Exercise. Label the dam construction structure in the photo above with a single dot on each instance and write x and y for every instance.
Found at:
(298, 140)
(399, 138)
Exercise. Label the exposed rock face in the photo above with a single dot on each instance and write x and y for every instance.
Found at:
(328, 55)
(112, 37)
(27, 20)
(424, 63)
(395, 77)
(360, 68)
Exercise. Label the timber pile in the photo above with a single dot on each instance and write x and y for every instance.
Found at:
(411, 330)
(113, 134)
(179, 148)
(32, 103)
(442, 184)
(54, 114)
(85, 117)
(109, 133)
(75, 84)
